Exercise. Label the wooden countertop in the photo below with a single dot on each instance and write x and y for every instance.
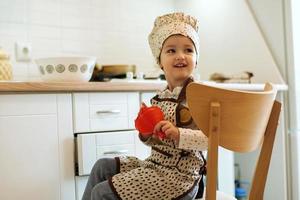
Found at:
(79, 86)
(15, 86)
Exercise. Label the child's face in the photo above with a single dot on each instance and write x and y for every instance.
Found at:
(178, 58)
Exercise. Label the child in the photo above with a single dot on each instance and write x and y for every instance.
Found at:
(173, 169)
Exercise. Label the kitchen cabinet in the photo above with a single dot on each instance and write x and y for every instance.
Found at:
(36, 147)
(104, 127)
(37, 139)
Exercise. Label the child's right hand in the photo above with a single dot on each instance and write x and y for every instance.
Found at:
(143, 105)
(147, 118)
(168, 128)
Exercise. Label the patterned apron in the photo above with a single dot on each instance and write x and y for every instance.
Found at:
(168, 173)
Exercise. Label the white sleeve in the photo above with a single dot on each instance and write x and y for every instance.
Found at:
(192, 139)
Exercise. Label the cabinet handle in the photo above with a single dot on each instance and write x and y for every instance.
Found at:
(108, 112)
(116, 152)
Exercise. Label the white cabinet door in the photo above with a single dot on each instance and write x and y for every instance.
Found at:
(35, 153)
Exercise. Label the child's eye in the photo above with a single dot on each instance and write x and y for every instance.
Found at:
(171, 51)
(190, 50)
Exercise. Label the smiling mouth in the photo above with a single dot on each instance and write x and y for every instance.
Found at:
(180, 65)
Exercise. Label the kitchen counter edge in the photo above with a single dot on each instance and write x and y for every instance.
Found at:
(13, 86)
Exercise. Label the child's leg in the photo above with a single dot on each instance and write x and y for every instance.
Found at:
(191, 195)
(102, 170)
(103, 191)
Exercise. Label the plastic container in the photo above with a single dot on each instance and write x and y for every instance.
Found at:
(146, 120)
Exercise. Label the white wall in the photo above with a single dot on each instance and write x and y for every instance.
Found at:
(115, 31)
(231, 41)
(270, 18)
(294, 95)
(296, 45)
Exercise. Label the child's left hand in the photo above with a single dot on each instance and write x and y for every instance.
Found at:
(171, 131)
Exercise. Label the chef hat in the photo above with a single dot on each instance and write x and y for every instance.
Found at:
(173, 24)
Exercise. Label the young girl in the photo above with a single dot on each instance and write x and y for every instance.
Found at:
(174, 168)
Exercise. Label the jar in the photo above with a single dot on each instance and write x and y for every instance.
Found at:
(5, 66)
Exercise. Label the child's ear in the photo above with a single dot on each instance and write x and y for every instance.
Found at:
(161, 67)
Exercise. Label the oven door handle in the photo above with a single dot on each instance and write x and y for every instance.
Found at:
(108, 112)
(116, 152)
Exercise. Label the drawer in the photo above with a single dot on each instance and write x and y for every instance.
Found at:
(91, 147)
(105, 111)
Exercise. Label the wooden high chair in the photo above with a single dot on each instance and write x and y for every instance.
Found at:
(240, 121)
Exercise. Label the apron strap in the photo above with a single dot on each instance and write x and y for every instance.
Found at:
(201, 182)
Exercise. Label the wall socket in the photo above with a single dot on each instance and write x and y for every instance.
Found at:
(23, 51)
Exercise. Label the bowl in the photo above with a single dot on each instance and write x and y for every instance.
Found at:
(66, 69)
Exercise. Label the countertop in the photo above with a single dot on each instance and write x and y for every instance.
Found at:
(35, 86)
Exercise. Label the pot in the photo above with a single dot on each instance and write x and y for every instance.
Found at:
(107, 72)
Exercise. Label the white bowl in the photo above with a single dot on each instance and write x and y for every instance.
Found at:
(66, 69)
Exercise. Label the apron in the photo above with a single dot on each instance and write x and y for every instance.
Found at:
(168, 173)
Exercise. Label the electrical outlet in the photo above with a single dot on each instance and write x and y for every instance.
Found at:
(23, 51)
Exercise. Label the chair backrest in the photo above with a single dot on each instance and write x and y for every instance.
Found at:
(244, 115)
(239, 121)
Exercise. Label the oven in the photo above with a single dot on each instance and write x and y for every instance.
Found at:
(104, 127)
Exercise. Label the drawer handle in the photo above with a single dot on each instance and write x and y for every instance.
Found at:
(108, 111)
(116, 152)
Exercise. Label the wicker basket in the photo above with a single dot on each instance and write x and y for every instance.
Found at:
(5, 66)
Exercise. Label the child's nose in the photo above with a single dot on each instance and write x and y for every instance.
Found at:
(180, 56)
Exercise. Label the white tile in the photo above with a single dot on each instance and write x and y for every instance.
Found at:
(42, 31)
(78, 2)
(13, 29)
(76, 22)
(98, 35)
(78, 48)
(45, 54)
(19, 69)
(49, 6)
(50, 18)
(33, 70)
(114, 31)
(51, 46)
(74, 9)
(13, 11)
(113, 5)
(8, 42)
(77, 34)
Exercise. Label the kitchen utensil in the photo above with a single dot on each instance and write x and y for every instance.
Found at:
(107, 72)
(118, 69)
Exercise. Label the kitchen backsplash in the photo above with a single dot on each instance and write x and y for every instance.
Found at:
(115, 31)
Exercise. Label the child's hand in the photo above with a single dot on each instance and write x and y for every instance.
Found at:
(143, 105)
(145, 136)
(171, 131)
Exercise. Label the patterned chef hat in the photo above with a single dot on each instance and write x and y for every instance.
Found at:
(173, 24)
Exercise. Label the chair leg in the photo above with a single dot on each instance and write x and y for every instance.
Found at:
(212, 153)
(262, 166)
